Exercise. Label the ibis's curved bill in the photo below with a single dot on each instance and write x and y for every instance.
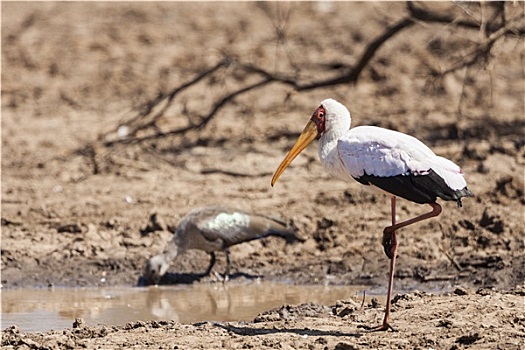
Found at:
(309, 134)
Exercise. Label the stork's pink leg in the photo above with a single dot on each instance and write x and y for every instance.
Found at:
(390, 247)
(386, 326)
(436, 210)
(392, 250)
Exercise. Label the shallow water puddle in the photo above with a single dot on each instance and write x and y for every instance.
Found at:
(42, 310)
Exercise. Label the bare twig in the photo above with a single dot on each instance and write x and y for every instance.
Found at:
(463, 92)
(370, 51)
(279, 25)
(203, 121)
(429, 16)
(452, 260)
(148, 107)
(232, 173)
(350, 77)
(482, 50)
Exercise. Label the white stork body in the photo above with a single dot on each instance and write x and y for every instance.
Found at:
(394, 162)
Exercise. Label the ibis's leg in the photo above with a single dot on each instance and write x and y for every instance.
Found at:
(212, 262)
(227, 272)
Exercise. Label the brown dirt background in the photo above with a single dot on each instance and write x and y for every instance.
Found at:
(73, 71)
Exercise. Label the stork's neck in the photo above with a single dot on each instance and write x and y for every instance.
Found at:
(329, 155)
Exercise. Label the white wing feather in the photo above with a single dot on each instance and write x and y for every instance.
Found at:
(382, 152)
(450, 172)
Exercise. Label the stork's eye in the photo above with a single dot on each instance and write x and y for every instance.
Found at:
(321, 114)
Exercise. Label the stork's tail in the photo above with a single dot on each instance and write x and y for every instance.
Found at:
(458, 194)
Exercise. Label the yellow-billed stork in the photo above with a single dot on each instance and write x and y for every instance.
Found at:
(391, 161)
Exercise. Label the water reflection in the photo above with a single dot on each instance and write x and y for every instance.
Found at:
(42, 310)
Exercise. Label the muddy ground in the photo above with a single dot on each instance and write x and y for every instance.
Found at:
(73, 206)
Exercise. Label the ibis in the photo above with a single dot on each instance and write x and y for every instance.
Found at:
(212, 229)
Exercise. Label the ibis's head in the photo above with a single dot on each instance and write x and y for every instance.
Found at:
(330, 115)
(155, 268)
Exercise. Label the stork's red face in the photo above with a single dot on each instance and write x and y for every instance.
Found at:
(313, 129)
(319, 118)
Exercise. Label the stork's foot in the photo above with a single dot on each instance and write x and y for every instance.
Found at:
(389, 243)
(381, 328)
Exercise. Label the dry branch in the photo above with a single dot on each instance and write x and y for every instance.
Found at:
(147, 108)
(350, 77)
(146, 117)
(204, 120)
(481, 51)
(421, 14)
(232, 173)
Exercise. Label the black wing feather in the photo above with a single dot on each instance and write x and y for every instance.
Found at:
(417, 188)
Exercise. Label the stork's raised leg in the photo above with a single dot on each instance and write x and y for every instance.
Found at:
(390, 247)
(389, 242)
